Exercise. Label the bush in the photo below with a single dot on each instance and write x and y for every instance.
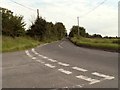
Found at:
(12, 25)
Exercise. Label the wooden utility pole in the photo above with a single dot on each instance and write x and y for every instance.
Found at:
(78, 26)
(37, 13)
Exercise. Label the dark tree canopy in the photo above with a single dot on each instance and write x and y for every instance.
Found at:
(74, 31)
(12, 25)
(42, 29)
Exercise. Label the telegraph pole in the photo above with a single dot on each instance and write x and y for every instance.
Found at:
(78, 26)
(37, 13)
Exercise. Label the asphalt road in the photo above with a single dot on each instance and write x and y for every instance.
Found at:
(60, 65)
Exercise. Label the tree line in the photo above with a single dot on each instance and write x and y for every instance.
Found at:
(13, 25)
(42, 30)
(82, 32)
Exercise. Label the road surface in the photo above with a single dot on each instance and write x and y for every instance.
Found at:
(60, 65)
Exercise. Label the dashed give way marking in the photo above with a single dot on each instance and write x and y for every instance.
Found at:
(65, 71)
(27, 52)
(49, 65)
(104, 76)
(33, 50)
(63, 64)
(45, 57)
(34, 58)
(92, 81)
(60, 46)
(52, 60)
(40, 61)
(79, 69)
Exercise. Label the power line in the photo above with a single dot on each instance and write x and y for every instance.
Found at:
(94, 8)
(22, 5)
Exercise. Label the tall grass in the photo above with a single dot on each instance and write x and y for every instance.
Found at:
(18, 43)
(99, 43)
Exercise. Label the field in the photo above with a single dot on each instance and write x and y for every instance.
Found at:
(98, 43)
(18, 43)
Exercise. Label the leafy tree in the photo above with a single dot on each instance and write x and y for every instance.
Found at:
(49, 30)
(43, 30)
(60, 30)
(74, 31)
(38, 29)
(96, 36)
(12, 25)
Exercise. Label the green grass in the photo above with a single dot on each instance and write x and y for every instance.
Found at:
(18, 43)
(99, 43)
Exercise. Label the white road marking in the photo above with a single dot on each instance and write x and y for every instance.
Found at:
(60, 46)
(79, 86)
(95, 81)
(103, 75)
(92, 81)
(52, 60)
(45, 57)
(49, 65)
(65, 71)
(63, 64)
(34, 58)
(40, 55)
(38, 61)
(27, 52)
(33, 50)
(79, 69)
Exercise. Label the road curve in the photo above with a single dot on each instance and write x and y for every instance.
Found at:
(60, 65)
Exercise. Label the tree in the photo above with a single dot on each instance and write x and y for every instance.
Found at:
(96, 36)
(60, 30)
(12, 25)
(50, 32)
(74, 31)
(38, 29)
(43, 30)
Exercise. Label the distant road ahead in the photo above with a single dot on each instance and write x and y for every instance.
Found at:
(58, 65)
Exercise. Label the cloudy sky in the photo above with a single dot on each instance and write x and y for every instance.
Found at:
(97, 16)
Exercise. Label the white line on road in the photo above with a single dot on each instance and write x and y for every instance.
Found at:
(45, 57)
(92, 81)
(103, 75)
(79, 69)
(78, 85)
(63, 64)
(65, 71)
(33, 50)
(49, 65)
(40, 61)
(40, 55)
(34, 58)
(60, 46)
(27, 52)
(52, 60)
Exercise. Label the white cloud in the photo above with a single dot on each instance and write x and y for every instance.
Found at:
(103, 20)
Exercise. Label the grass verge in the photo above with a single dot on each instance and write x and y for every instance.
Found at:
(97, 43)
(19, 43)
